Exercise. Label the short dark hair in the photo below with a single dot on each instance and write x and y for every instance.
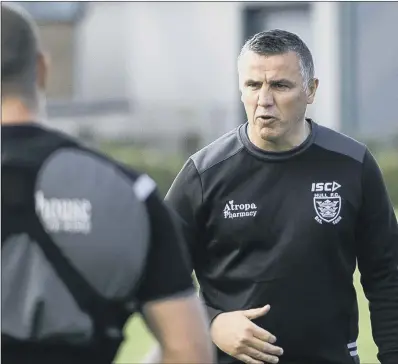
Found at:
(278, 41)
(19, 52)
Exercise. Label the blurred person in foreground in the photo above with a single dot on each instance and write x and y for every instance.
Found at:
(276, 214)
(86, 242)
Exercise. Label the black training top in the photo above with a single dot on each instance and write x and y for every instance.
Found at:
(286, 229)
(106, 219)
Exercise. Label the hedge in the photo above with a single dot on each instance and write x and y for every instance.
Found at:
(389, 165)
(163, 169)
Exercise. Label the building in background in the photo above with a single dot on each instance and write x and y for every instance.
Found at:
(163, 76)
(162, 72)
(58, 30)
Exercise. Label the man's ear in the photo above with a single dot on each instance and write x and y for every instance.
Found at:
(43, 65)
(312, 88)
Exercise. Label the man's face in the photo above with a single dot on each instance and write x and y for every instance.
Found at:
(273, 94)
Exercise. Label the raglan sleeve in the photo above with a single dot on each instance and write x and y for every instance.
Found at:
(377, 253)
(185, 200)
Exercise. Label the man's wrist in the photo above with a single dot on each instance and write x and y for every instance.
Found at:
(212, 313)
(214, 317)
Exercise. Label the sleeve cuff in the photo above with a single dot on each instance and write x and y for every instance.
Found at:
(212, 313)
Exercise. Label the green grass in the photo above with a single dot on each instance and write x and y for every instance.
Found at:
(139, 341)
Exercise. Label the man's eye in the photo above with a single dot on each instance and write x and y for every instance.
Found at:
(281, 86)
(253, 85)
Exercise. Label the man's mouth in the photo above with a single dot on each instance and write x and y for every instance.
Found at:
(266, 117)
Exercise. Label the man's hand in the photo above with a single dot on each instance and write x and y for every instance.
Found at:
(236, 335)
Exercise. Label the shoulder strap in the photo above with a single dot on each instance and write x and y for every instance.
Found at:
(108, 316)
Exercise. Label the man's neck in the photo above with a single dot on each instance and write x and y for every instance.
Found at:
(295, 138)
(14, 111)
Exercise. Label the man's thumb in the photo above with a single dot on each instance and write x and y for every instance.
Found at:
(256, 312)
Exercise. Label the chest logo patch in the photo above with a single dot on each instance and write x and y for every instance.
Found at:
(327, 202)
(233, 210)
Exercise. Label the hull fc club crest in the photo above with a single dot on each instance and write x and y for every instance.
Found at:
(327, 202)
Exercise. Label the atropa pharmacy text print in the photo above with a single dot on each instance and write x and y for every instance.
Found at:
(232, 210)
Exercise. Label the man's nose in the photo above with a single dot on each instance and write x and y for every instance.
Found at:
(265, 97)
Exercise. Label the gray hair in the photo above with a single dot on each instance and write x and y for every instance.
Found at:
(277, 41)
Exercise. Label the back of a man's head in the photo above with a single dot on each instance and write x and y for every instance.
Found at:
(19, 52)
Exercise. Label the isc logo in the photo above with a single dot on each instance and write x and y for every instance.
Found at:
(325, 186)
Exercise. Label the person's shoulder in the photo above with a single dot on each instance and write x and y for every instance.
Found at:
(218, 151)
(340, 143)
(39, 143)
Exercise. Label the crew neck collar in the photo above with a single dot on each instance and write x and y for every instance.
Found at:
(276, 156)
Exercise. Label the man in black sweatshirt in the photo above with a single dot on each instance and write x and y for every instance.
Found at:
(277, 213)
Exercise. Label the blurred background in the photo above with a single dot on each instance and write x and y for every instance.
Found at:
(150, 83)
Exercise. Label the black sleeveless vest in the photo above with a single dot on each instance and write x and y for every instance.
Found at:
(20, 168)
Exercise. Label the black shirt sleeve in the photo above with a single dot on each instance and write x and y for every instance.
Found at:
(377, 252)
(185, 198)
(167, 272)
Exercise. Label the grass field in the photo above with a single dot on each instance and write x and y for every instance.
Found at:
(132, 351)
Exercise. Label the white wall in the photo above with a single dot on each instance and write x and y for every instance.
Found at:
(326, 56)
(184, 51)
(184, 54)
(101, 52)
